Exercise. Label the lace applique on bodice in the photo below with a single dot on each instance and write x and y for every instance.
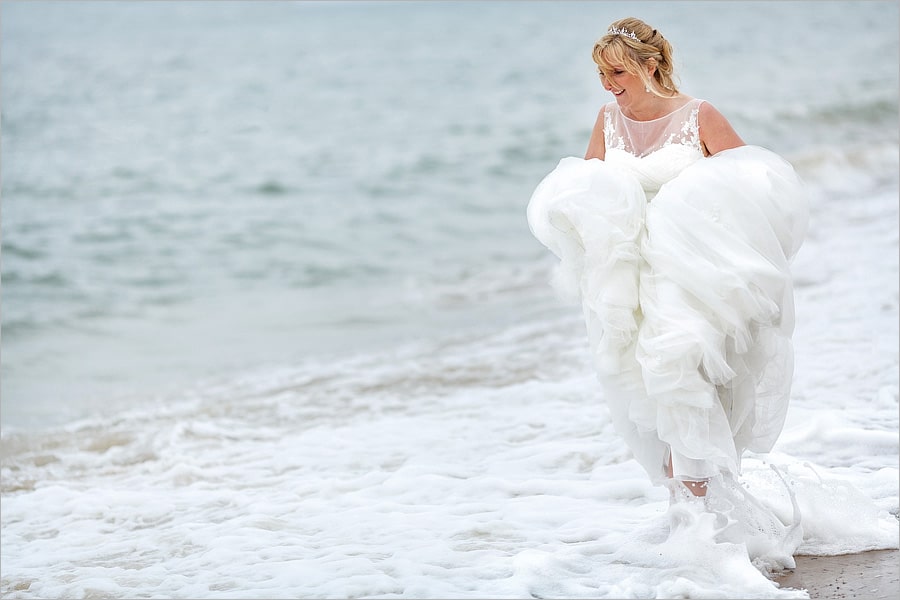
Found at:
(657, 151)
(642, 138)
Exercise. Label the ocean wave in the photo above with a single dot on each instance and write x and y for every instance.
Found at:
(873, 113)
(333, 390)
(476, 464)
(492, 283)
(40, 277)
(24, 252)
(855, 170)
(803, 126)
(272, 188)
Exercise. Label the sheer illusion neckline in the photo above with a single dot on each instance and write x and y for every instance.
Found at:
(665, 116)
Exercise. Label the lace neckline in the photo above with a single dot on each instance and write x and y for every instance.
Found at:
(665, 116)
(641, 138)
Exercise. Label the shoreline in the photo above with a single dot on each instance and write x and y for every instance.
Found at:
(873, 575)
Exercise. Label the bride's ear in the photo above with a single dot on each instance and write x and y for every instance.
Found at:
(650, 66)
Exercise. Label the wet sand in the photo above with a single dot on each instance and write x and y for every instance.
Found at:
(870, 575)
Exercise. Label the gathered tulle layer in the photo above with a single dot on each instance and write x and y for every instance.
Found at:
(687, 298)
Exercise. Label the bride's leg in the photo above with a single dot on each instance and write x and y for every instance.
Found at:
(697, 488)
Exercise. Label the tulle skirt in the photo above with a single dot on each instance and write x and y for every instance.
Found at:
(687, 299)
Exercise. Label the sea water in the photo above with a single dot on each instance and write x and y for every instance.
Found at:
(273, 324)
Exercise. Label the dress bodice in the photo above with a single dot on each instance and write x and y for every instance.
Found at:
(656, 151)
(642, 138)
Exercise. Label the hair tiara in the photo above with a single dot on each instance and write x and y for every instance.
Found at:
(623, 31)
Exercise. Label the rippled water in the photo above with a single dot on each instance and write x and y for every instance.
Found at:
(190, 192)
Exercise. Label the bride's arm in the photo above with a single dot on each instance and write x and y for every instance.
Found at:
(716, 133)
(597, 145)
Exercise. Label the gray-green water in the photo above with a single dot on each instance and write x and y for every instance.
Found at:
(196, 190)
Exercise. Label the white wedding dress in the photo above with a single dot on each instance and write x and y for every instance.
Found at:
(681, 264)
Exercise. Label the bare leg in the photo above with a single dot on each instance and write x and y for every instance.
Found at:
(698, 488)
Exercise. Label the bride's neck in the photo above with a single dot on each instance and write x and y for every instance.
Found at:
(653, 107)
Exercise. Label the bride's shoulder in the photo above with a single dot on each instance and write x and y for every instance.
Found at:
(716, 132)
(708, 112)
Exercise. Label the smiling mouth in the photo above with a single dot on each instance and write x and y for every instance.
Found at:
(619, 93)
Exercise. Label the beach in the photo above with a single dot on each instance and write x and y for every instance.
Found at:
(274, 325)
(874, 575)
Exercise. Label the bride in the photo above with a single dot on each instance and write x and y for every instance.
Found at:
(676, 238)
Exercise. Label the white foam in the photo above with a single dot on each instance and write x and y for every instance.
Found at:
(485, 469)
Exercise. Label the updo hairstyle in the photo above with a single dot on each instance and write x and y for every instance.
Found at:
(651, 48)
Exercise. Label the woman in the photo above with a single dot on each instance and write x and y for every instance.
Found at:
(677, 237)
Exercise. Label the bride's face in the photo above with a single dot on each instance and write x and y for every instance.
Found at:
(620, 83)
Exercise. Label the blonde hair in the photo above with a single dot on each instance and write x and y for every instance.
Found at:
(647, 47)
